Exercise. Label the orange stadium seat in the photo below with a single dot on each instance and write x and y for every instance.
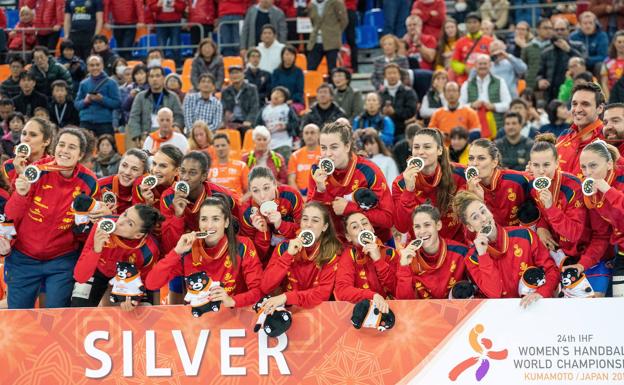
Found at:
(5, 72)
(168, 63)
(248, 143)
(230, 61)
(186, 75)
(312, 80)
(301, 61)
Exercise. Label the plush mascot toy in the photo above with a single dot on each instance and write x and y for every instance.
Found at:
(462, 290)
(82, 205)
(127, 283)
(274, 325)
(367, 315)
(532, 278)
(365, 198)
(198, 290)
(529, 214)
(574, 284)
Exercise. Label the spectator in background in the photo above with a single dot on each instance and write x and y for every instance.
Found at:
(16, 122)
(610, 14)
(373, 120)
(421, 48)
(83, 20)
(168, 12)
(49, 16)
(514, 147)
(454, 115)
(530, 128)
(125, 17)
(458, 147)
(520, 39)
(613, 66)
(329, 19)
(103, 50)
(62, 110)
(350, 36)
(201, 139)
(390, 47)
(173, 83)
(76, 66)
(256, 76)
(301, 161)
(469, 47)
(120, 75)
(595, 40)
(263, 156)
(207, 60)
(10, 87)
(269, 48)
(46, 71)
(576, 66)
(446, 45)
(325, 110)
(257, 16)
(143, 118)
(201, 12)
(506, 66)
(398, 101)
(463, 8)
(28, 99)
(434, 98)
(3, 36)
(139, 83)
(98, 96)
(346, 97)
(488, 29)
(616, 94)
(229, 14)
(165, 134)
(380, 155)
(22, 38)
(395, 13)
(291, 10)
(402, 150)
(496, 11)
(554, 56)
(290, 76)
(6, 109)
(240, 101)
(107, 159)
(432, 13)
(536, 114)
(281, 120)
(203, 105)
(155, 58)
(558, 116)
(532, 53)
(227, 172)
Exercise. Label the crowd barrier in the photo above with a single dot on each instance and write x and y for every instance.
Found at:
(554, 341)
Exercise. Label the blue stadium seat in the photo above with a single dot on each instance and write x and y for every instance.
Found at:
(185, 39)
(369, 4)
(366, 37)
(12, 16)
(112, 43)
(143, 43)
(375, 17)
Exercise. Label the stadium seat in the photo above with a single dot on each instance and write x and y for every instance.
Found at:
(186, 75)
(521, 86)
(366, 37)
(248, 143)
(144, 42)
(5, 72)
(312, 80)
(12, 16)
(132, 63)
(229, 61)
(301, 61)
(169, 63)
(112, 43)
(375, 17)
(120, 142)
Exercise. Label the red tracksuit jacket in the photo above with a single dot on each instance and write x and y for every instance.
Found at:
(241, 281)
(498, 271)
(359, 173)
(567, 218)
(143, 253)
(124, 12)
(44, 219)
(287, 6)
(21, 39)
(124, 194)
(3, 20)
(201, 11)
(173, 227)
(359, 277)
(290, 205)
(606, 214)
(570, 145)
(437, 282)
(9, 169)
(48, 13)
(138, 198)
(432, 25)
(426, 189)
(304, 283)
(167, 17)
(233, 7)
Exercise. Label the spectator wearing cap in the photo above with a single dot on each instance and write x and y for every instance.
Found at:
(207, 60)
(468, 47)
(458, 147)
(46, 70)
(257, 17)
(127, 16)
(203, 105)
(75, 65)
(324, 110)
(329, 19)
(595, 40)
(270, 49)
(10, 87)
(83, 20)
(262, 155)
(256, 76)
(346, 97)
(102, 49)
(28, 98)
(240, 101)
(281, 120)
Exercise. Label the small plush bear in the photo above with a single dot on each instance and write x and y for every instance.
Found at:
(532, 278)
(274, 325)
(574, 284)
(82, 205)
(198, 290)
(462, 290)
(365, 198)
(126, 283)
(366, 314)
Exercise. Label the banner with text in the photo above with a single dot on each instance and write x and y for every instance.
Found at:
(433, 342)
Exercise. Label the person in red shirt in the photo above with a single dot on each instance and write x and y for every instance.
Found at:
(168, 12)
(38, 134)
(23, 37)
(587, 106)
(49, 15)
(437, 182)
(304, 275)
(433, 15)
(132, 165)
(46, 248)
(223, 256)
(606, 214)
(130, 242)
(351, 173)
(502, 190)
(126, 16)
(201, 12)
(563, 227)
(165, 165)
(431, 271)
(421, 47)
(283, 223)
(229, 14)
(365, 272)
(500, 256)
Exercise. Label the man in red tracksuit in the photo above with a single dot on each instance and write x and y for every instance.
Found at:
(229, 14)
(201, 12)
(121, 14)
(168, 12)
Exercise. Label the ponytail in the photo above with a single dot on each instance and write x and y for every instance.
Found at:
(150, 216)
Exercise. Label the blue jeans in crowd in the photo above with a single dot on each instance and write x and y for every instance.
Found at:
(25, 275)
(395, 13)
(125, 39)
(229, 33)
(169, 36)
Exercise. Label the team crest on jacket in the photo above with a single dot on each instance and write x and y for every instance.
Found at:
(511, 195)
(517, 251)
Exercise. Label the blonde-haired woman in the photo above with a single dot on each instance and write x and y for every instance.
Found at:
(390, 45)
(201, 139)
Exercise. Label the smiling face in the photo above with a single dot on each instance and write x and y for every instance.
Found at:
(426, 229)
(95, 66)
(129, 225)
(68, 152)
(425, 147)
(584, 109)
(594, 165)
(477, 215)
(613, 124)
(333, 148)
(480, 158)
(212, 220)
(32, 134)
(543, 163)
(355, 224)
(312, 219)
(130, 168)
(163, 168)
(262, 190)
(192, 173)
